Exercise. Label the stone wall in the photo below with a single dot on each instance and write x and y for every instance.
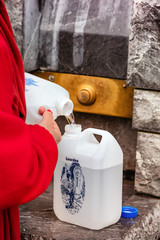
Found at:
(82, 37)
(85, 37)
(148, 164)
(144, 74)
(146, 110)
(31, 31)
(144, 45)
(15, 12)
(33, 24)
(25, 18)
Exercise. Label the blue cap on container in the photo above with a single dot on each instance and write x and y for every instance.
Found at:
(129, 212)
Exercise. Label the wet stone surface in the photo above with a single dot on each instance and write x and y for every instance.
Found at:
(38, 221)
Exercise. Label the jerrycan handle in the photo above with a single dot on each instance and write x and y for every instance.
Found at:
(104, 141)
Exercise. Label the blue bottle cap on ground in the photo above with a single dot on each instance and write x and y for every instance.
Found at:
(129, 212)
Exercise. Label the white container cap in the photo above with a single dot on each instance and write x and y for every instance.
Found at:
(64, 107)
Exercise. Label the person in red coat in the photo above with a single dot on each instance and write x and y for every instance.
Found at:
(28, 153)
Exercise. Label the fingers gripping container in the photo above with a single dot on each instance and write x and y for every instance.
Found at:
(40, 92)
(88, 178)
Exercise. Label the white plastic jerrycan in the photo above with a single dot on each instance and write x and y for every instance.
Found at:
(40, 92)
(88, 178)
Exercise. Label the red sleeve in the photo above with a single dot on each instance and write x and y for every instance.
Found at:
(28, 154)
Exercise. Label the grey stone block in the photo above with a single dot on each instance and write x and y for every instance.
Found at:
(144, 45)
(146, 110)
(15, 12)
(147, 176)
(85, 37)
(25, 17)
(81, 37)
(32, 19)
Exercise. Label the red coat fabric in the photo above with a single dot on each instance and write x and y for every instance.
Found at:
(28, 153)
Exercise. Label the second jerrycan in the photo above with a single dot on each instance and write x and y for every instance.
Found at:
(40, 92)
(88, 178)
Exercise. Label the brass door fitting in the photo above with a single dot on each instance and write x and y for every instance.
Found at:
(96, 95)
(86, 94)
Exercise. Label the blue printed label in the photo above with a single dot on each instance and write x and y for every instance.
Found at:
(72, 186)
(30, 82)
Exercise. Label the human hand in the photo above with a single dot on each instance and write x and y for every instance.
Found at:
(49, 124)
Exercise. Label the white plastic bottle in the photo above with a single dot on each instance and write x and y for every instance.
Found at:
(88, 178)
(40, 92)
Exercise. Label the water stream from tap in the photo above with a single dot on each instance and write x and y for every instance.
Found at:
(70, 119)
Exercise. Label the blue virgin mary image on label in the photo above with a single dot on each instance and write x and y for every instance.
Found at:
(72, 187)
